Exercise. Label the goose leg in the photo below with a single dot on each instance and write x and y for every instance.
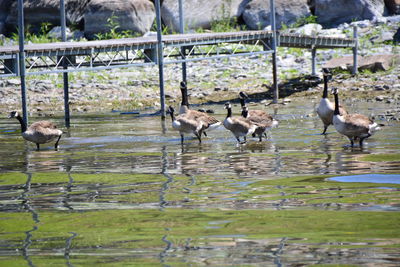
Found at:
(351, 141)
(205, 134)
(37, 147)
(56, 145)
(198, 135)
(260, 137)
(325, 128)
(181, 138)
(362, 139)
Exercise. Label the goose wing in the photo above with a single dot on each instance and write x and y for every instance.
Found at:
(243, 125)
(206, 119)
(356, 124)
(187, 123)
(42, 124)
(260, 117)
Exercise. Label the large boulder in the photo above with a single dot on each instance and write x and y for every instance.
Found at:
(257, 13)
(200, 13)
(373, 63)
(134, 15)
(393, 6)
(334, 12)
(4, 10)
(396, 37)
(36, 12)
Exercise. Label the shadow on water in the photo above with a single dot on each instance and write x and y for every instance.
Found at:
(124, 188)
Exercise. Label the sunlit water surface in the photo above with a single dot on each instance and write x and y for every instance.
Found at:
(122, 190)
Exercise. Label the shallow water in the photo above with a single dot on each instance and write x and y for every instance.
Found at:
(369, 178)
(122, 190)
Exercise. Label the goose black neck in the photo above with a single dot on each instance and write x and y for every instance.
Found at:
(242, 102)
(336, 112)
(172, 115)
(229, 112)
(185, 100)
(325, 93)
(23, 124)
(244, 113)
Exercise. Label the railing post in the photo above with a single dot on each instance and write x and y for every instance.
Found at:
(160, 58)
(65, 66)
(182, 30)
(21, 59)
(274, 69)
(313, 61)
(355, 50)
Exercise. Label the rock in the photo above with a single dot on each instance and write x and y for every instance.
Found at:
(362, 24)
(134, 15)
(38, 11)
(77, 35)
(309, 29)
(13, 82)
(378, 62)
(393, 6)
(200, 13)
(382, 37)
(335, 12)
(56, 33)
(373, 63)
(257, 13)
(396, 37)
(380, 98)
(332, 33)
(4, 10)
(393, 19)
(343, 63)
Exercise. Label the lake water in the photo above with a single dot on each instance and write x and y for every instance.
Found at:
(121, 190)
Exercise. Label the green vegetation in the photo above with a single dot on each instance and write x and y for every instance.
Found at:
(42, 37)
(114, 30)
(224, 22)
(144, 229)
(300, 22)
(382, 157)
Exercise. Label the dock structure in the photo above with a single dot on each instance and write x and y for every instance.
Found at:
(64, 57)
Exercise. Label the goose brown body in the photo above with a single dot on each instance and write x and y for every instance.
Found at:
(185, 124)
(39, 132)
(238, 125)
(261, 118)
(354, 126)
(209, 122)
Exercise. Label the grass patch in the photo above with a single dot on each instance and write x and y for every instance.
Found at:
(381, 157)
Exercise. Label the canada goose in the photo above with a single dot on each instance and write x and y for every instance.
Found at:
(239, 126)
(39, 132)
(260, 117)
(184, 124)
(353, 125)
(325, 108)
(208, 121)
